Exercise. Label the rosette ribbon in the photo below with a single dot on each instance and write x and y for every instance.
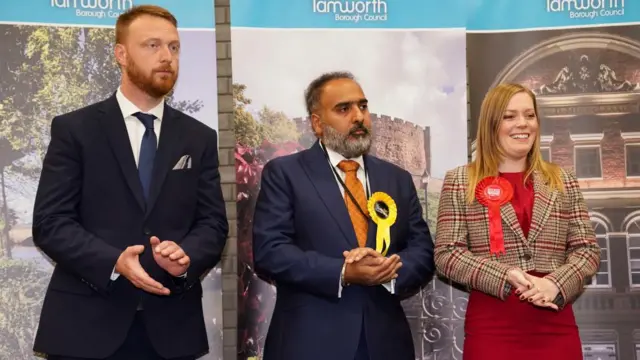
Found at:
(383, 212)
(493, 192)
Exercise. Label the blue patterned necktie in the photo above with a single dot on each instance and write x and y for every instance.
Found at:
(147, 151)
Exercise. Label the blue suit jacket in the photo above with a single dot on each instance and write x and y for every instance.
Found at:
(89, 207)
(301, 227)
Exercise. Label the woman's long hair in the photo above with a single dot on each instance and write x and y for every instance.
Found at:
(489, 153)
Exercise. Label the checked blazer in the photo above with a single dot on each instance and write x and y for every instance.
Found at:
(560, 243)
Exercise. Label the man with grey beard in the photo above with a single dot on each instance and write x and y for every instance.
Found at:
(317, 234)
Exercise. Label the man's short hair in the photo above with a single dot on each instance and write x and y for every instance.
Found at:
(126, 18)
(314, 90)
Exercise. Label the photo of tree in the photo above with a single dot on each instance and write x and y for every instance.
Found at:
(47, 71)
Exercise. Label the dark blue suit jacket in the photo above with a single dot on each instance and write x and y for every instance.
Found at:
(301, 227)
(89, 207)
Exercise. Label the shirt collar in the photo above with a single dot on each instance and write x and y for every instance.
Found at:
(335, 158)
(128, 108)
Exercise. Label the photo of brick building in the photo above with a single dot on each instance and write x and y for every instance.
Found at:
(587, 83)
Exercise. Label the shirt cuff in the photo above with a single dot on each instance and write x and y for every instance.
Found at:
(341, 280)
(114, 274)
(390, 286)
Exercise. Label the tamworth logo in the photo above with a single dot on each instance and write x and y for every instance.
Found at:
(354, 11)
(95, 8)
(589, 9)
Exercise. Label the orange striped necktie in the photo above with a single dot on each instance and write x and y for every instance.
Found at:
(359, 221)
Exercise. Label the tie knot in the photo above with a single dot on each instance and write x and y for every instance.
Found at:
(146, 119)
(348, 166)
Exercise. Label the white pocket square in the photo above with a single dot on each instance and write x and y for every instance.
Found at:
(183, 163)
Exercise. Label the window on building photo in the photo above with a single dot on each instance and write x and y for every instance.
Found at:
(632, 160)
(633, 247)
(546, 154)
(587, 162)
(603, 276)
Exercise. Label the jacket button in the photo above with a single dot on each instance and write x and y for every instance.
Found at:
(147, 231)
(526, 257)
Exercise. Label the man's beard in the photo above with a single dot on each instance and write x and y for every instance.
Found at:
(156, 88)
(358, 145)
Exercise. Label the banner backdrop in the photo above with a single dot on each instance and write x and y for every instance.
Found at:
(409, 57)
(57, 56)
(582, 59)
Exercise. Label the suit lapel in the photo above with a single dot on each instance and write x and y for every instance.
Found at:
(169, 146)
(544, 199)
(509, 216)
(323, 179)
(113, 123)
(542, 205)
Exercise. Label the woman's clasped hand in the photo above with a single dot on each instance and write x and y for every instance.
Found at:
(537, 290)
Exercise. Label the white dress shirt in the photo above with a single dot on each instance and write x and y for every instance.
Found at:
(334, 159)
(136, 129)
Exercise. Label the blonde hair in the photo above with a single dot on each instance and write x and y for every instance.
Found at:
(489, 153)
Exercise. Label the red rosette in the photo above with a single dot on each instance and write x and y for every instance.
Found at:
(493, 192)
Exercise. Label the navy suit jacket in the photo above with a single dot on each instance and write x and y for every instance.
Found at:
(89, 207)
(301, 227)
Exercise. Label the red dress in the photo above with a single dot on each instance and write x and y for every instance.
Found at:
(514, 329)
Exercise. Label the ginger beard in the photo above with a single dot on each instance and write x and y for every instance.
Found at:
(157, 84)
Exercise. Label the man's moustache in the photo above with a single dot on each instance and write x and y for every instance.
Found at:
(359, 128)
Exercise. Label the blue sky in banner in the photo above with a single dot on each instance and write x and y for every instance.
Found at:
(411, 66)
(348, 13)
(198, 13)
(488, 15)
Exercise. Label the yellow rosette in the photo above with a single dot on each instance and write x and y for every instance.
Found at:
(383, 212)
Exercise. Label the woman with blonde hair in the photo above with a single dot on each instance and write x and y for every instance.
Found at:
(515, 230)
